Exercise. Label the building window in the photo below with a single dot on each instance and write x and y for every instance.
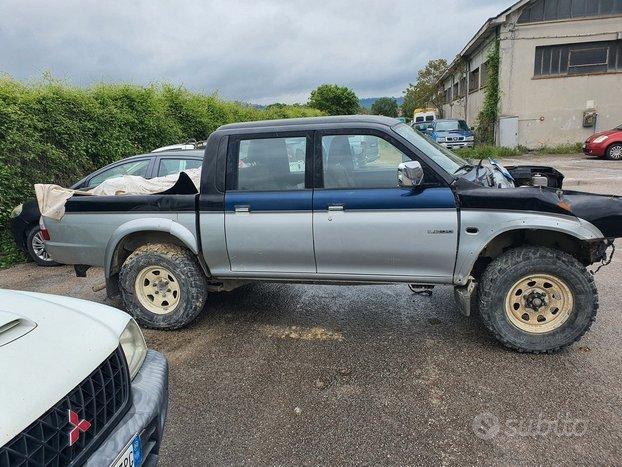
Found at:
(447, 98)
(552, 10)
(474, 80)
(455, 91)
(463, 85)
(483, 74)
(578, 59)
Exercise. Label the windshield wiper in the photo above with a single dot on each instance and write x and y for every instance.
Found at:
(467, 167)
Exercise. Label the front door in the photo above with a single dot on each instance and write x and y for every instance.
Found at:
(268, 218)
(366, 225)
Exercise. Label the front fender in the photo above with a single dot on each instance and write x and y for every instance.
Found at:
(147, 225)
(479, 227)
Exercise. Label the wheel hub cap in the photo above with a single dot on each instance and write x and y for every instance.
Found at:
(539, 303)
(157, 289)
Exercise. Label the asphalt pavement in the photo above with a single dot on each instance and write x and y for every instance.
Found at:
(310, 374)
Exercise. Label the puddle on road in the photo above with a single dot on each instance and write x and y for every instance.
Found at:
(301, 333)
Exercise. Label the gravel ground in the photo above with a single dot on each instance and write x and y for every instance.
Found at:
(297, 374)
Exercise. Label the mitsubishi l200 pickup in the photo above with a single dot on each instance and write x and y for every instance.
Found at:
(300, 201)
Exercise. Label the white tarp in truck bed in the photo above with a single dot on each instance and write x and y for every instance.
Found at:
(52, 198)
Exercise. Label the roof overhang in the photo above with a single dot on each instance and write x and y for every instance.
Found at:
(481, 36)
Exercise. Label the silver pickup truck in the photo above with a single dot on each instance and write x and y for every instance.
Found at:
(352, 200)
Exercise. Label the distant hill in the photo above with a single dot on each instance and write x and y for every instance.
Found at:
(367, 102)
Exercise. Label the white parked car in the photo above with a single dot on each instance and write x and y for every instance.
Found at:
(77, 385)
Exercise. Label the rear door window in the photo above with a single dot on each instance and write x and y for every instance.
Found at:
(271, 164)
(174, 166)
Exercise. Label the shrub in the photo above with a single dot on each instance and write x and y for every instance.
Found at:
(54, 133)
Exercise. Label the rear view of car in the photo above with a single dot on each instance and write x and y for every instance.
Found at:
(78, 385)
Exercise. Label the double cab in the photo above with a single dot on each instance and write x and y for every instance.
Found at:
(352, 200)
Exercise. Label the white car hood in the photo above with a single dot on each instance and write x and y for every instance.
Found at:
(71, 338)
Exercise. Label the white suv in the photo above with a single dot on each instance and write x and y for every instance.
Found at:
(78, 385)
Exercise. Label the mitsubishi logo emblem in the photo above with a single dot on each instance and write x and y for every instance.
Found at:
(77, 427)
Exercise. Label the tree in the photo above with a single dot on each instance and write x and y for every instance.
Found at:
(424, 92)
(334, 100)
(386, 106)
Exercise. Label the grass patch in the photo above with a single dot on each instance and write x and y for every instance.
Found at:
(560, 149)
(486, 151)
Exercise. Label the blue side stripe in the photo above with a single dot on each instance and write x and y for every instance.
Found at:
(385, 198)
(301, 200)
(378, 198)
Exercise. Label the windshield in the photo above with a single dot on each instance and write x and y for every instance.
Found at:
(449, 161)
(619, 127)
(450, 125)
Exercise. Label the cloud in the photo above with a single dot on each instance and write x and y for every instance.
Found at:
(258, 51)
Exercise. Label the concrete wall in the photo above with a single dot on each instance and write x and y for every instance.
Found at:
(468, 107)
(550, 110)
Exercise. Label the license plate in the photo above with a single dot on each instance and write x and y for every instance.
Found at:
(131, 455)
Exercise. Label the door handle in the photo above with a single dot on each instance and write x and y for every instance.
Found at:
(242, 208)
(335, 207)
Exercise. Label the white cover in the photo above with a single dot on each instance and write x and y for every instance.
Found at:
(52, 198)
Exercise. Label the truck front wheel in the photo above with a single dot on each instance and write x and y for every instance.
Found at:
(537, 300)
(163, 286)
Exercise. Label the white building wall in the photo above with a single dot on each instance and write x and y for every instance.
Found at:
(550, 110)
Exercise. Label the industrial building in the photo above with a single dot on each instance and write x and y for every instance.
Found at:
(560, 72)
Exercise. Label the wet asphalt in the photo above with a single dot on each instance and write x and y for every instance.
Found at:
(310, 374)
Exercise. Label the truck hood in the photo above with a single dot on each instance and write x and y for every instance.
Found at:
(602, 211)
(50, 345)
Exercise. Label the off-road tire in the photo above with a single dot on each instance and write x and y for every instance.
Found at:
(30, 238)
(514, 264)
(190, 276)
(614, 152)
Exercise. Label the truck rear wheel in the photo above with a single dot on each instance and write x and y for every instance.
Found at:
(537, 300)
(163, 286)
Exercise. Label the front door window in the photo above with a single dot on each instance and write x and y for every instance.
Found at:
(360, 161)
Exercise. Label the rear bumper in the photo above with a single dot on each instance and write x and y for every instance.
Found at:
(146, 415)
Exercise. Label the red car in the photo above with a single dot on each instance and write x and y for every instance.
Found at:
(605, 144)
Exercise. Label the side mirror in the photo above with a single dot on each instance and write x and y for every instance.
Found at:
(409, 174)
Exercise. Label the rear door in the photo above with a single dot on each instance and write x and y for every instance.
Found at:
(365, 224)
(268, 201)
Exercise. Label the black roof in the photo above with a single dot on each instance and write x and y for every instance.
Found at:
(377, 119)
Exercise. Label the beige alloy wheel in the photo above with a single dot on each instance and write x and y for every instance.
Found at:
(157, 289)
(538, 303)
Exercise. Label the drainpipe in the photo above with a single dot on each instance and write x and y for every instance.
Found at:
(466, 91)
(495, 132)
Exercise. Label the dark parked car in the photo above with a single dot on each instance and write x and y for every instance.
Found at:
(25, 217)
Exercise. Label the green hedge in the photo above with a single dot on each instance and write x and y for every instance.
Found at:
(54, 133)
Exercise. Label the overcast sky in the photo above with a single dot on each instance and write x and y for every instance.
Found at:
(256, 51)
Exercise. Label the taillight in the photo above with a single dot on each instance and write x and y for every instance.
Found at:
(44, 232)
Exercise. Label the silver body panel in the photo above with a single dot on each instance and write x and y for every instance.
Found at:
(266, 241)
(492, 223)
(414, 243)
(91, 238)
(359, 246)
